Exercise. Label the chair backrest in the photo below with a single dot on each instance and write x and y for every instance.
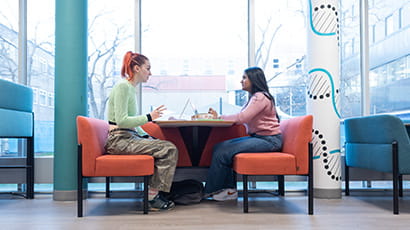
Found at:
(296, 134)
(16, 111)
(153, 130)
(23, 101)
(369, 142)
(92, 135)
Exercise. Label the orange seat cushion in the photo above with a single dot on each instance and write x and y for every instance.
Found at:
(270, 163)
(124, 165)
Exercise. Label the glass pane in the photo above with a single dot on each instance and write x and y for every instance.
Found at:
(198, 51)
(40, 71)
(350, 58)
(110, 35)
(280, 49)
(9, 59)
(9, 39)
(389, 67)
(405, 15)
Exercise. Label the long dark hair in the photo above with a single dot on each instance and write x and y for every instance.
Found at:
(259, 84)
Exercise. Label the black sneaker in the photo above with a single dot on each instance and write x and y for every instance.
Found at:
(159, 203)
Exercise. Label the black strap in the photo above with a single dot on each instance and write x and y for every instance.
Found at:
(149, 117)
(132, 131)
(112, 123)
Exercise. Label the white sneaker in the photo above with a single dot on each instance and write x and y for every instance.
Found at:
(226, 194)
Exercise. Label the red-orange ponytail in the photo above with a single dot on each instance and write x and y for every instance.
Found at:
(130, 61)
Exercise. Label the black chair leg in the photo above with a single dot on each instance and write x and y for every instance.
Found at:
(245, 193)
(107, 187)
(281, 185)
(395, 178)
(80, 198)
(310, 195)
(347, 188)
(235, 178)
(79, 184)
(310, 180)
(401, 185)
(145, 198)
(30, 168)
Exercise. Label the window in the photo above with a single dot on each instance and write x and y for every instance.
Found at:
(194, 55)
(276, 63)
(50, 100)
(202, 58)
(43, 66)
(9, 62)
(280, 49)
(388, 70)
(405, 15)
(380, 31)
(400, 20)
(35, 96)
(389, 23)
(110, 36)
(350, 61)
(40, 52)
(388, 87)
(372, 34)
(42, 97)
(9, 40)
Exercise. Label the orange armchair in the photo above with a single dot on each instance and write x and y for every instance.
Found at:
(295, 158)
(92, 161)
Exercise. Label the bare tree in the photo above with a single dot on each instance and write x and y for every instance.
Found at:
(8, 65)
(103, 67)
(9, 54)
(262, 54)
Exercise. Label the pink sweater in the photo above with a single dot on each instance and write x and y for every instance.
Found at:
(258, 116)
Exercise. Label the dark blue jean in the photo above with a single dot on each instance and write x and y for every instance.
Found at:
(220, 173)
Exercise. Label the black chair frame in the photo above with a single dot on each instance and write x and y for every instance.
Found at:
(80, 179)
(281, 185)
(397, 179)
(29, 166)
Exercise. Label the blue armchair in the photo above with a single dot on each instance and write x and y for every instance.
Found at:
(379, 143)
(17, 121)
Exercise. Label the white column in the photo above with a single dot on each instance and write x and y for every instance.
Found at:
(323, 95)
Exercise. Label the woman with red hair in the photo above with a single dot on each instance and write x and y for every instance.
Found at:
(127, 137)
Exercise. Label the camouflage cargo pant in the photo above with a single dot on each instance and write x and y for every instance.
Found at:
(164, 152)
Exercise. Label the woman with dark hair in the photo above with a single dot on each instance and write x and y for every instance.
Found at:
(262, 123)
(127, 137)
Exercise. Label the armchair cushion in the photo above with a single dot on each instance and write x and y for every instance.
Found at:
(23, 99)
(369, 143)
(15, 123)
(93, 162)
(265, 163)
(92, 134)
(124, 165)
(16, 107)
(294, 158)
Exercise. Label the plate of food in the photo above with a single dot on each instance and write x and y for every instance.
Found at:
(202, 116)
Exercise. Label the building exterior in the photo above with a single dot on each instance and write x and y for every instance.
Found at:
(40, 65)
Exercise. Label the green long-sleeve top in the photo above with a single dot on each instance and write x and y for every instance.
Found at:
(122, 107)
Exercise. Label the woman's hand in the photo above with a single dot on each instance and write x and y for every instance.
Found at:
(158, 112)
(213, 112)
